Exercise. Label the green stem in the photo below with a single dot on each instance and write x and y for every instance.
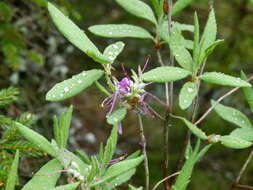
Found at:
(144, 151)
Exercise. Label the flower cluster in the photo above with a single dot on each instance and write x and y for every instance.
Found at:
(75, 171)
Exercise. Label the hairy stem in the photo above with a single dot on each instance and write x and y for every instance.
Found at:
(144, 151)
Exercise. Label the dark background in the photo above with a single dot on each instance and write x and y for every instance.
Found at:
(42, 57)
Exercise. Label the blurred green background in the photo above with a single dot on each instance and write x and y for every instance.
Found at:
(34, 56)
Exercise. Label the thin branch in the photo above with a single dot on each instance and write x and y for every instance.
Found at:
(144, 151)
(247, 187)
(218, 101)
(164, 179)
(242, 171)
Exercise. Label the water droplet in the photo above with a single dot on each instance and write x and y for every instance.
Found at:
(84, 74)
(190, 89)
(79, 81)
(66, 89)
(110, 33)
(115, 46)
(61, 95)
(111, 58)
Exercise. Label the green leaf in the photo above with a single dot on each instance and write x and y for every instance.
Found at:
(180, 5)
(73, 86)
(223, 79)
(71, 186)
(119, 180)
(111, 145)
(248, 92)
(194, 129)
(165, 74)
(187, 94)
(196, 40)
(232, 115)
(120, 31)
(209, 34)
(113, 50)
(234, 142)
(13, 173)
(243, 133)
(182, 55)
(138, 8)
(209, 50)
(37, 139)
(119, 168)
(46, 177)
(117, 116)
(61, 129)
(75, 35)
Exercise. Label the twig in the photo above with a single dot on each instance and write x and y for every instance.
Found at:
(144, 151)
(218, 101)
(243, 186)
(242, 171)
(164, 179)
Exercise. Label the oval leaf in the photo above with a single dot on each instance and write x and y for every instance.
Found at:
(138, 8)
(187, 94)
(13, 174)
(71, 186)
(113, 50)
(223, 79)
(117, 116)
(120, 31)
(165, 74)
(74, 34)
(37, 139)
(232, 115)
(243, 133)
(73, 86)
(46, 177)
(234, 142)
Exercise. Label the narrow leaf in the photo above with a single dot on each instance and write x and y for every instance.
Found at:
(138, 8)
(74, 34)
(46, 177)
(120, 31)
(232, 115)
(37, 139)
(223, 79)
(117, 116)
(195, 130)
(248, 92)
(73, 86)
(234, 142)
(180, 5)
(187, 94)
(210, 32)
(13, 174)
(71, 186)
(165, 74)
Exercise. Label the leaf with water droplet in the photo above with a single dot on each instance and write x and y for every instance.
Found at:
(234, 142)
(165, 74)
(223, 79)
(120, 31)
(73, 86)
(182, 55)
(187, 94)
(138, 8)
(248, 92)
(243, 133)
(46, 177)
(117, 116)
(74, 34)
(232, 115)
(113, 50)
